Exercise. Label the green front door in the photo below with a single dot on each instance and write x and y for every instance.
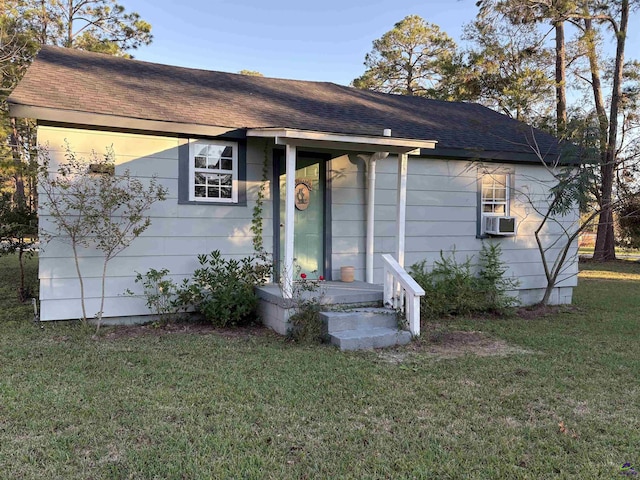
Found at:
(308, 242)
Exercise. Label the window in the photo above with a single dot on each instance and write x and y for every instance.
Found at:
(213, 171)
(494, 203)
(495, 194)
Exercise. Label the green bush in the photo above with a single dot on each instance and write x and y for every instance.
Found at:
(159, 292)
(307, 296)
(629, 222)
(222, 290)
(492, 281)
(306, 324)
(451, 288)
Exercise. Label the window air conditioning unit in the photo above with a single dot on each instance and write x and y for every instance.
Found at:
(501, 226)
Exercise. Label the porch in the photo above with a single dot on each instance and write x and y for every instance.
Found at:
(293, 194)
(354, 318)
(303, 237)
(357, 315)
(331, 293)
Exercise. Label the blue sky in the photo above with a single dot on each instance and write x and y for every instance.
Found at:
(304, 40)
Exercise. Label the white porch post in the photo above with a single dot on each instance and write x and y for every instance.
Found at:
(290, 187)
(401, 210)
(371, 201)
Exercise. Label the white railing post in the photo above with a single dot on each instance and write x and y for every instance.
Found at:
(388, 281)
(413, 314)
(408, 300)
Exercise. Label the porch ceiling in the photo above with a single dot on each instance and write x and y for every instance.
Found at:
(341, 141)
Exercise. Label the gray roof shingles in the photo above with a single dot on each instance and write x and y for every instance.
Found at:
(74, 80)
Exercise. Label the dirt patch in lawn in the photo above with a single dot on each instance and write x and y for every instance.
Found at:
(459, 343)
(453, 344)
(541, 311)
(133, 331)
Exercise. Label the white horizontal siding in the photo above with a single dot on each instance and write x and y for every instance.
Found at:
(70, 309)
(117, 267)
(178, 233)
(347, 171)
(83, 142)
(69, 288)
(442, 215)
(349, 213)
(422, 199)
(343, 196)
(349, 228)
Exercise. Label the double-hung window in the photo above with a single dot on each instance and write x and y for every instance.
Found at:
(495, 194)
(213, 171)
(494, 203)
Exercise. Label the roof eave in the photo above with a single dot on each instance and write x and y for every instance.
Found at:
(342, 141)
(550, 158)
(73, 117)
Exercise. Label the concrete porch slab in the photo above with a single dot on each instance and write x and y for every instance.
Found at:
(331, 293)
(275, 310)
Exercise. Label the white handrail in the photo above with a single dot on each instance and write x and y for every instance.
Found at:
(402, 292)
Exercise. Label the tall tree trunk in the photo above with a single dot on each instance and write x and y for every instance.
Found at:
(561, 77)
(22, 293)
(605, 238)
(409, 77)
(32, 159)
(596, 85)
(69, 39)
(19, 196)
(605, 246)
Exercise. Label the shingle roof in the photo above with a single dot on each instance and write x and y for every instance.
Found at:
(75, 80)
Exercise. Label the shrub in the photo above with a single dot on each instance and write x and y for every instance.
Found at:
(492, 281)
(222, 290)
(306, 324)
(160, 293)
(91, 206)
(306, 301)
(629, 222)
(451, 288)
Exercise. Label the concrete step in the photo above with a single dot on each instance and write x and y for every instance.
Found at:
(360, 318)
(364, 339)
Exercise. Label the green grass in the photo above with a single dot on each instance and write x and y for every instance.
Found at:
(185, 405)
(588, 251)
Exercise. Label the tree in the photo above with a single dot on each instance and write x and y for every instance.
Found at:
(250, 73)
(617, 18)
(92, 206)
(18, 233)
(16, 49)
(605, 81)
(569, 190)
(95, 25)
(629, 221)
(571, 186)
(506, 68)
(533, 12)
(410, 59)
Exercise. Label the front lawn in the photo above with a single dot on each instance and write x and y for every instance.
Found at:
(561, 402)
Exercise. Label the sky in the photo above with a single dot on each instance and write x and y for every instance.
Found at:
(324, 40)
